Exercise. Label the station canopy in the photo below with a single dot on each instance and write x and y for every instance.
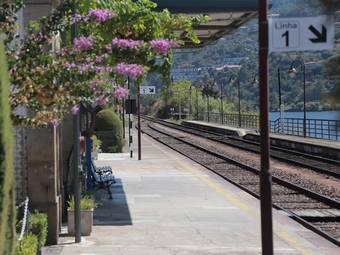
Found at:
(225, 16)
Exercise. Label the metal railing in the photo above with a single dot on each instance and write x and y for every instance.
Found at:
(250, 121)
(315, 128)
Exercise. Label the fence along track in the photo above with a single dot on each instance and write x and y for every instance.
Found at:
(316, 163)
(318, 213)
(315, 128)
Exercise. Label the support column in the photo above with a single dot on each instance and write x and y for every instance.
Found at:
(43, 176)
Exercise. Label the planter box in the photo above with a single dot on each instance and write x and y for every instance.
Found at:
(86, 222)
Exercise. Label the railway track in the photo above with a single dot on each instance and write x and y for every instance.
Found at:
(319, 164)
(315, 211)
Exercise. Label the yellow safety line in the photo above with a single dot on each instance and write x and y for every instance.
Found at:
(282, 234)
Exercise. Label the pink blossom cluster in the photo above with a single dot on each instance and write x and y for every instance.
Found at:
(100, 94)
(78, 18)
(70, 65)
(103, 69)
(102, 100)
(132, 70)
(108, 48)
(126, 43)
(101, 15)
(99, 59)
(83, 68)
(121, 92)
(162, 46)
(83, 43)
(90, 67)
(54, 122)
(61, 52)
(75, 109)
(94, 85)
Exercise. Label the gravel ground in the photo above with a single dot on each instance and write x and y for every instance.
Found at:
(307, 178)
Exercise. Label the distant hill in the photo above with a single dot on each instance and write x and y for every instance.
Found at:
(243, 44)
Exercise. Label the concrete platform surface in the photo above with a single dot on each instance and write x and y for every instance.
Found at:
(169, 205)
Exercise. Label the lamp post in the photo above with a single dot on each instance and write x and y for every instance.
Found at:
(239, 101)
(76, 153)
(196, 103)
(221, 99)
(292, 72)
(208, 108)
(190, 100)
(281, 106)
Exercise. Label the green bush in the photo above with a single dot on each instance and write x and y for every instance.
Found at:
(86, 203)
(96, 143)
(37, 225)
(28, 245)
(109, 130)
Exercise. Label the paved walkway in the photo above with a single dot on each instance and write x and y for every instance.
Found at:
(168, 205)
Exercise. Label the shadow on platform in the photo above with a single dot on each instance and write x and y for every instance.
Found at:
(112, 212)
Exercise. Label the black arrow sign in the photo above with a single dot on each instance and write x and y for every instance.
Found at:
(320, 37)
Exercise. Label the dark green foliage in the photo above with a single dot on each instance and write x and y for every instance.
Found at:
(109, 131)
(7, 191)
(106, 120)
(37, 225)
(28, 245)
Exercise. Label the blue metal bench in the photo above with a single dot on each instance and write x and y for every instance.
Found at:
(103, 178)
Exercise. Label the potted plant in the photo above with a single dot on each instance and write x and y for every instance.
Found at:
(87, 204)
(96, 143)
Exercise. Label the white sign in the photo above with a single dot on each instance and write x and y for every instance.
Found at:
(301, 34)
(148, 90)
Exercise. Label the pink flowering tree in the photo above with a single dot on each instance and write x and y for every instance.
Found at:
(116, 39)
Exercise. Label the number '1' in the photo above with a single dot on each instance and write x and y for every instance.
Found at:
(286, 34)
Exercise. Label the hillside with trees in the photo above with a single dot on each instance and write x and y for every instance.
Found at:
(322, 76)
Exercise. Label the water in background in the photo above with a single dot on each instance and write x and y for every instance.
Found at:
(330, 115)
(322, 125)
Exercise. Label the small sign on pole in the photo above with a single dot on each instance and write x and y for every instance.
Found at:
(301, 34)
(148, 90)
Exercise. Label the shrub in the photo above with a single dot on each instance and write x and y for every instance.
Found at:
(28, 245)
(96, 143)
(86, 203)
(109, 131)
(37, 225)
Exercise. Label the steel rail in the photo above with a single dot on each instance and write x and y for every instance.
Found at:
(227, 141)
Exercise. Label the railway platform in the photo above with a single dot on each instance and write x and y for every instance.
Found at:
(322, 147)
(167, 204)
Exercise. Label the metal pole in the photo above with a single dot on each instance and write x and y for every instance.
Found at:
(281, 109)
(130, 122)
(88, 147)
(196, 104)
(123, 106)
(208, 106)
(190, 106)
(279, 83)
(76, 154)
(138, 120)
(221, 105)
(179, 108)
(265, 175)
(303, 67)
(239, 101)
